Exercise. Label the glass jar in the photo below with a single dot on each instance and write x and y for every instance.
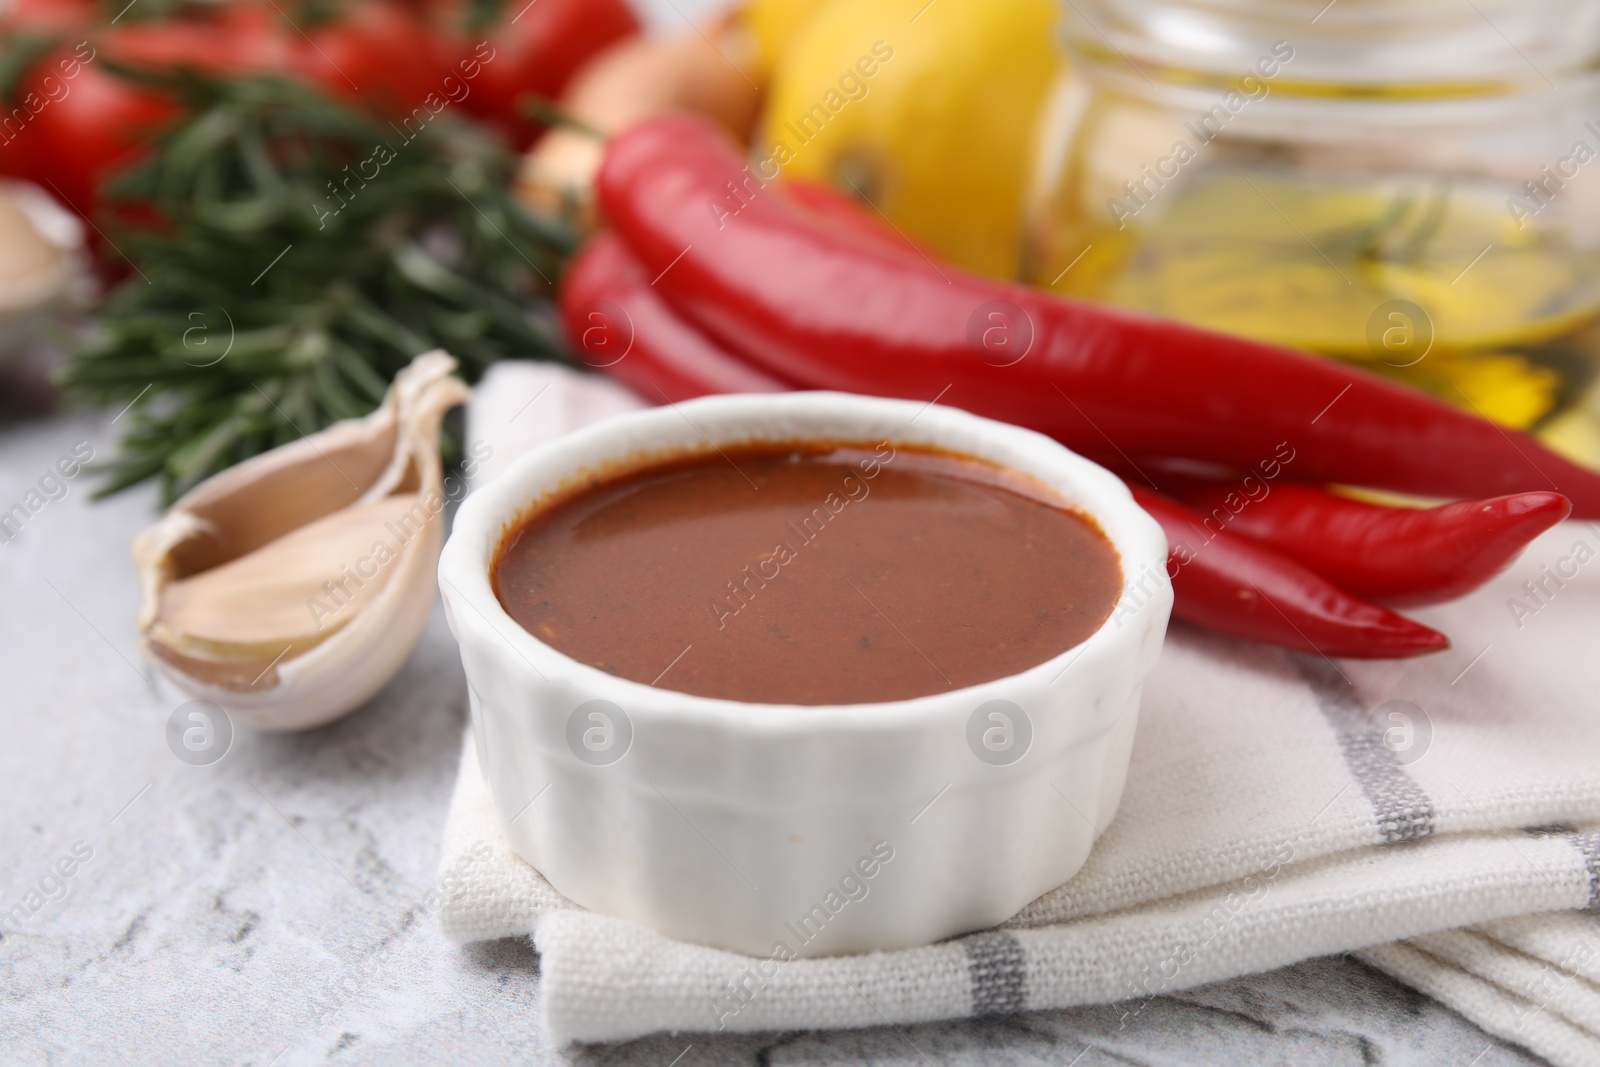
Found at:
(1410, 184)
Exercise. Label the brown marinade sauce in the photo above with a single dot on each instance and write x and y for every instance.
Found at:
(812, 573)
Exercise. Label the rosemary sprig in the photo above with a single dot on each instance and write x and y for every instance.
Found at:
(303, 253)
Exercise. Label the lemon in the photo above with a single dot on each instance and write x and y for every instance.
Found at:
(927, 111)
(772, 23)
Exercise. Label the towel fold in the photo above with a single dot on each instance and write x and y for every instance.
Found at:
(1440, 816)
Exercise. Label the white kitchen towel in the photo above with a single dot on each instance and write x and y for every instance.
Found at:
(1545, 1000)
(1278, 807)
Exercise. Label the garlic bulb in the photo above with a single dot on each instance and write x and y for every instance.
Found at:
(292, 587)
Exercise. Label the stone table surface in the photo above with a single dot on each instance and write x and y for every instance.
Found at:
(269, 908)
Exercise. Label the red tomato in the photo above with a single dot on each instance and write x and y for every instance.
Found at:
(376, 52)
(22, 155)
(240, 41)
(89, 124)
(93, 123)
(71, 132)
(25, 15)
(534, 49)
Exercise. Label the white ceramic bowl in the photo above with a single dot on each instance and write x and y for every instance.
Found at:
(765, 828)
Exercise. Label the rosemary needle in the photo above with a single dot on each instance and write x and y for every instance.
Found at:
(293, 253)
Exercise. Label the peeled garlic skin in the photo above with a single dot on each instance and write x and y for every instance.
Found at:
(394, 450)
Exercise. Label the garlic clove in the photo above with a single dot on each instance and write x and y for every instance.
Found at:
(43, 262)
(281, 594)
(290, 588)
(32, 268)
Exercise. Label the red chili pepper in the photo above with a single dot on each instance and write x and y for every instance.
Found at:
(826, 202)
(827, 309)
(619, 324)
(1398, 556)
(1237, 585)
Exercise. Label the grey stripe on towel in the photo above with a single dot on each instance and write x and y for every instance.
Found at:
(999, 978)
(1403, 810)
(1589, 844)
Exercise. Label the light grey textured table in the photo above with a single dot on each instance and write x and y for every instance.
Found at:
(266, 910)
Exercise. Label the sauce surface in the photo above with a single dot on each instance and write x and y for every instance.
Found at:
(810, 574)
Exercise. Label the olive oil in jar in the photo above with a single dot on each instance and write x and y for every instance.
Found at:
(1445, 232)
